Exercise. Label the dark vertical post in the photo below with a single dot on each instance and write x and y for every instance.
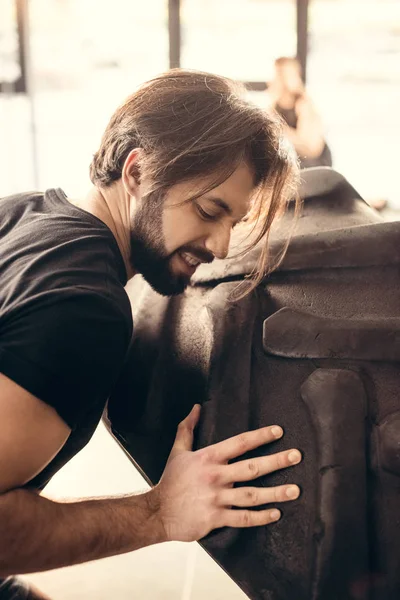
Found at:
(174, 30)
(23, 46)
(302, 34)
(20, 84)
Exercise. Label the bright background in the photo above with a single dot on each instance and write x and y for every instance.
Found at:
(86, 57)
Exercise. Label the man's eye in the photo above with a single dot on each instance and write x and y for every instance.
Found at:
(205, 215)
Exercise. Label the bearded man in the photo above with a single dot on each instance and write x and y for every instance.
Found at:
(183, 161)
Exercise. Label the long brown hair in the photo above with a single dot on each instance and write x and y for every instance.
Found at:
(192, 125)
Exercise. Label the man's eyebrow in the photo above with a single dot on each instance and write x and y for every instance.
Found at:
(221, 203)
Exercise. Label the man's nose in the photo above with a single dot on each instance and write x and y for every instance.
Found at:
(218, 242)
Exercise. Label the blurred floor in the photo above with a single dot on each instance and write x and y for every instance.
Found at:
(171, 571)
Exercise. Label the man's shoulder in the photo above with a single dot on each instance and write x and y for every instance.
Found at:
(49, 248)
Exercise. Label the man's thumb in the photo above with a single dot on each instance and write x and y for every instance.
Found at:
(184, 435)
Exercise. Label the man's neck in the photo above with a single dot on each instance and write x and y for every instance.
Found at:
(112, 205)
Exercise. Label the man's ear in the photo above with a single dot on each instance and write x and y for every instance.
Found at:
(131, 172)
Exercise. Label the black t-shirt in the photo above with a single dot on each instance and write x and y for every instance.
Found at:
(65, 318)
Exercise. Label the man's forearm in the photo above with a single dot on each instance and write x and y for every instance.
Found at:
(305, 145)
(37, 534)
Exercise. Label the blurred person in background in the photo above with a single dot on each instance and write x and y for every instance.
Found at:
(182, 162)
(303, 127)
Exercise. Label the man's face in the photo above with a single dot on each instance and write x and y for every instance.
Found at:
(170, 237)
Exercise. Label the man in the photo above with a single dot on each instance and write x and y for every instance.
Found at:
(303, 126)
(182, 162)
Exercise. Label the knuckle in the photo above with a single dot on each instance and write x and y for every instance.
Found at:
(281, 460)
(241, 443)
(220, 519)
(216, 499)
(182, 426)
(253, 468)
(212, 477)
(215, 518)
(205, 455)
(246, 518)
(252, 497)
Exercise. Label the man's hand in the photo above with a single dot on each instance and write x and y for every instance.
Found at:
(196, 493)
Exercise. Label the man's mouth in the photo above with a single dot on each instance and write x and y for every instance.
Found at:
(191, 260)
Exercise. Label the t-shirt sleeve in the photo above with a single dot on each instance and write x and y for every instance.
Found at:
(67, 351)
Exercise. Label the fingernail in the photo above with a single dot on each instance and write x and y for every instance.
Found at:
(294, 456)
(277, 431)
(292, 491)
(275, 515)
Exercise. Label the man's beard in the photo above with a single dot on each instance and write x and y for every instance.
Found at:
(148, 253)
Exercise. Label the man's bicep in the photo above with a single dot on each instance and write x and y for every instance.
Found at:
(31, 434)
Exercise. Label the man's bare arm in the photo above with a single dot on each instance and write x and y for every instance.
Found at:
(38, 534)
(194, 496)
(308, 137)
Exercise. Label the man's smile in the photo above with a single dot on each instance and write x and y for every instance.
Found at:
(189, 261)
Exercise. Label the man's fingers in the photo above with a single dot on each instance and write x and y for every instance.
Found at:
(255, 496)
(193, 417)
(184, 435)
(249, 518)
(247, 470)
(244, 442)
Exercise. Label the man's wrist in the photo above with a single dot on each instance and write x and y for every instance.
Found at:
(155, 530)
